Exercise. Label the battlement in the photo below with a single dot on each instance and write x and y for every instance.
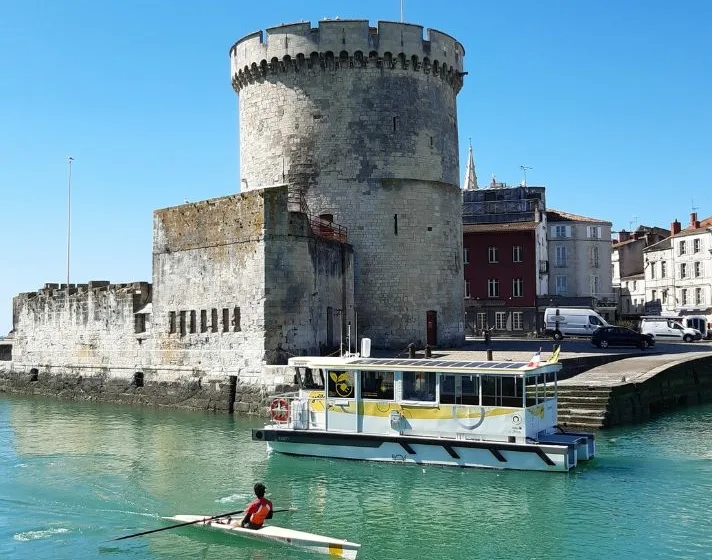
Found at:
(346, 44)
(52, 290)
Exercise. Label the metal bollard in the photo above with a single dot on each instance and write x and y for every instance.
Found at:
(428, 351)
(411, 350)
(489, 355)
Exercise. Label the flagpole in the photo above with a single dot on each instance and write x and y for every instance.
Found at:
(69, 215)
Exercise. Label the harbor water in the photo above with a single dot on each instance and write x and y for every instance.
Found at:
(74, 476)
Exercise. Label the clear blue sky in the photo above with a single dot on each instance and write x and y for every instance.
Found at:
(607, 101)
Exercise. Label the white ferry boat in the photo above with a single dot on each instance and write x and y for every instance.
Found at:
(498, 415)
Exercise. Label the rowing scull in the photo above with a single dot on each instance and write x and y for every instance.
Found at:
(316, 543)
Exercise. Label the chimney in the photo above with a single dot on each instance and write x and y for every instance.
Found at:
(694, 223)
(675, 227)
(623, 235)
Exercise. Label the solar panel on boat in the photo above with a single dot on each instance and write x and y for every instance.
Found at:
(437, 364)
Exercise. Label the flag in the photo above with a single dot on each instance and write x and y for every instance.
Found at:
(536, 358)
(554, 358)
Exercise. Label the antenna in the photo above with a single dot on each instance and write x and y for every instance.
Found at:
(524, 171)
(401, 5)
(633, 221)
(694, 208)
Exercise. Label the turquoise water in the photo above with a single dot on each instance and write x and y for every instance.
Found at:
(75, 475)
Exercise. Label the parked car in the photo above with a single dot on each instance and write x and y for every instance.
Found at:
(603, 337)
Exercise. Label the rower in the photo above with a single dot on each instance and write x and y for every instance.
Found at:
(258, 510)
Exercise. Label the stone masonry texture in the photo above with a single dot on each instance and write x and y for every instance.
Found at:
(363, 121)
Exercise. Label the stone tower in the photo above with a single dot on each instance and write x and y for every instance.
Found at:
(362, 121)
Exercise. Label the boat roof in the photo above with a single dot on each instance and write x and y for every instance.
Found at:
(508, 368)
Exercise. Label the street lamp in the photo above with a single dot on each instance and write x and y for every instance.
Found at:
(69, 214)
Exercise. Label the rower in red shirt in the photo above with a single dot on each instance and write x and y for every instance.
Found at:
(259, 509)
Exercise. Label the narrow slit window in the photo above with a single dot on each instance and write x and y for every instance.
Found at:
(182, 323)
(395, 224)
(225, 319)
(236, 320)
(214, 320)
(172, 322)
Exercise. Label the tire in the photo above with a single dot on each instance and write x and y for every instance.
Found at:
(557, 335)
(603, 344)
(687, 338)
(643, 344)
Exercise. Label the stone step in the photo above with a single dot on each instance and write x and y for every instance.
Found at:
(583, 402)
(583, 391)
(583, 412)
(576, 426)
(566, 421)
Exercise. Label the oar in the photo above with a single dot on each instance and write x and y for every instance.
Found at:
(201, 520)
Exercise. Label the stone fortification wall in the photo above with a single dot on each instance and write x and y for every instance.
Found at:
(310, 286)
(216, 306)
(364, 122)
(209, 277)
(92, 323)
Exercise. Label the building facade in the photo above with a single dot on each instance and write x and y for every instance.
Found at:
(506, 268)
(678, 271)
(627, 269)
(579, 250)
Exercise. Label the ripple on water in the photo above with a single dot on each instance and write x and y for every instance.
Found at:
(39, 534)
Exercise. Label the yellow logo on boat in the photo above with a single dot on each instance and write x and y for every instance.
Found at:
(342, 383)
(537, 411)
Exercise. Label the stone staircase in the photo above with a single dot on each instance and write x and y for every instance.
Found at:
(583, 408)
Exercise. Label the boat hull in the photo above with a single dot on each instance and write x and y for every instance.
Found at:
(422, 450)
(309, 541)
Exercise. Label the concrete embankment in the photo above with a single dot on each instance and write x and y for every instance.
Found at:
(634, 390)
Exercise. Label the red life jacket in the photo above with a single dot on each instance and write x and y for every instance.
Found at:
(259, 509)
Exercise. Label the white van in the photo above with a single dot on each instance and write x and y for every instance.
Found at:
(668, 328)
(571, 321)
(698, 322)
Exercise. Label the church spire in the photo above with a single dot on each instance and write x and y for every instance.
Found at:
(470, 182)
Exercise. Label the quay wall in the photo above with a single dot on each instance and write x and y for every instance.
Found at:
(161, 387)
(677, 384)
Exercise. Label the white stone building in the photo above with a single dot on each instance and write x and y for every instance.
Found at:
(678, 271)
(627, 268)
(579, 263)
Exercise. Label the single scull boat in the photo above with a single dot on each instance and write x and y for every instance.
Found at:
(300, 539)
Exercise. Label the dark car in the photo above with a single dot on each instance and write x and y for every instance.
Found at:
(603, 337)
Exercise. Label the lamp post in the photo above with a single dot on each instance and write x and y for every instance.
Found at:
(69, 214)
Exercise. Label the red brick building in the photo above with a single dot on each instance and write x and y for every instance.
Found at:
(502, 268)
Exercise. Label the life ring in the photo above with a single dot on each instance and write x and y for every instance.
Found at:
(279, 410)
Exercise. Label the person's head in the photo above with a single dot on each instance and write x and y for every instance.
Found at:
(260, 490)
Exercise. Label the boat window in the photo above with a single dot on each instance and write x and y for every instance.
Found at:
(307, 378)
(419, 386)
(459, 389)
(501, 391)
(341, 384)
(377, 385)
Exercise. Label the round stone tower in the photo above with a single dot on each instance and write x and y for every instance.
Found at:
(363, 121)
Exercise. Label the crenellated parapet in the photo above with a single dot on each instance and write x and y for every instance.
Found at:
(139, 293)
(338, 45)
